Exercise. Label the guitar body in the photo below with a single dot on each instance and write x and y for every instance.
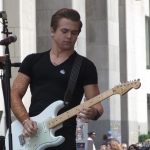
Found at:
(44, 137)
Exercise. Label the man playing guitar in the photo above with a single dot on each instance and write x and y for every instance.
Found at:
(48, 73)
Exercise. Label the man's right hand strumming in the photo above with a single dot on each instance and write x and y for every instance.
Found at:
(30, 127)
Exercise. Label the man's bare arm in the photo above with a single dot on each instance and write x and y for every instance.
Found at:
(90, 92)
(90, 113)
(18, 90)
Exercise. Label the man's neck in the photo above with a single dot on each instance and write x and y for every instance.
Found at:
(59, 56)
(57, 53)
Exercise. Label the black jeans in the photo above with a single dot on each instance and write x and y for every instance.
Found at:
(69, 143)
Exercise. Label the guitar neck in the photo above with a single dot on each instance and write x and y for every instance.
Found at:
(72, 112)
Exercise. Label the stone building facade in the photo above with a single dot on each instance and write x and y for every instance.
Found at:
(115, 36)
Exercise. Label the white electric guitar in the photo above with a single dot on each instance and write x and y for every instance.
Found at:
(48, 121)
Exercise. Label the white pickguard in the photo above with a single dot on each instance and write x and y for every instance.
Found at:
(44, 137)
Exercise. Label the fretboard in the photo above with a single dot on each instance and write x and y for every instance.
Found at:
(72, 112)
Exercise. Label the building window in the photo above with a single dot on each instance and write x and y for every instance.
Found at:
(148, 111)
(1, 112)
(148, 101)
(147, 26)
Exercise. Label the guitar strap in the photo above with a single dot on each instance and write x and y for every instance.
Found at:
(72, 79)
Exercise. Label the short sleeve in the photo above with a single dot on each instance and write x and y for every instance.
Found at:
(26, 65)
(89, 73)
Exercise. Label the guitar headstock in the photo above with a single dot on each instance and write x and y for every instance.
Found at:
(125, 87)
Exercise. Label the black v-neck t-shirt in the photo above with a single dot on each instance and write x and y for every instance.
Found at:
(48, 85)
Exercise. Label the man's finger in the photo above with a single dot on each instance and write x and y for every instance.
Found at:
(82, 114)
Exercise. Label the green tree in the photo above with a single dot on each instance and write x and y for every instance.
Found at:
(143, 137)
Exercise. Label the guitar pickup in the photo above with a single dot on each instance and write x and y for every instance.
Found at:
(44, 127)
(22, 140)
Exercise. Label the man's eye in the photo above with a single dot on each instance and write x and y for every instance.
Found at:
(64, 31)
(75, 33)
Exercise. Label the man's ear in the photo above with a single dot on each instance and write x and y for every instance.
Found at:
(51, 31)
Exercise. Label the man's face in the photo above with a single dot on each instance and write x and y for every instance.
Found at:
(124, 147)
(93, 136)
(131, 148)
(66, 34)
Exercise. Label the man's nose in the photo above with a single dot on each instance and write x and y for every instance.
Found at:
(69, 35)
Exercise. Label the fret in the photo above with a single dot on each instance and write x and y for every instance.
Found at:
(106, 94)
(60, 117)
(51, 123)
(85, 104)
(76, 110)
(64, 116)
(54, 122)
(99, 99)
(67, 114)
(96, 100)
(88, 103)
(103, 95)
(79, 107)
(82, 106)
(58, 120)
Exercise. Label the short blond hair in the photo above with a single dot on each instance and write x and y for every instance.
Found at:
(114, 145)
(147, 140)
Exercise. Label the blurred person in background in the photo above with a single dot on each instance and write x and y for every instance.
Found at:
(103, 147)
(92, 136)
(133, 147)
(104, 138)
(109, 138)
(113, 145)
(124, 146)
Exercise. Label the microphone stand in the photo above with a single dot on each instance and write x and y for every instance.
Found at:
(7, 79)
(5, 82)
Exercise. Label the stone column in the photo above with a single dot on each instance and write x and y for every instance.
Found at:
(133, 66)
(103, 49)
(123, 70)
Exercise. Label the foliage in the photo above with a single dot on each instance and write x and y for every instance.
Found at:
(143, 137)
